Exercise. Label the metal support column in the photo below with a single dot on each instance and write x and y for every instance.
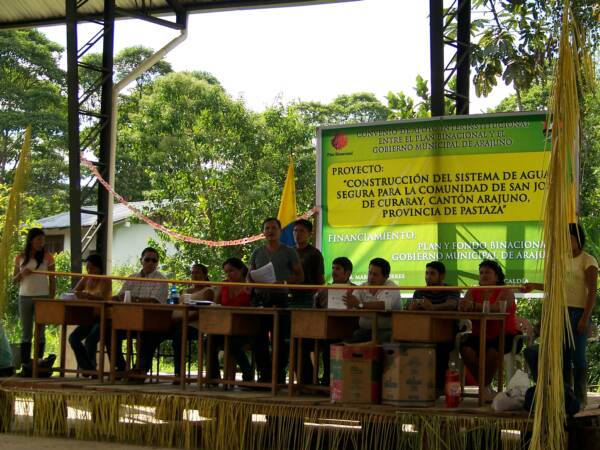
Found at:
(436, 46)
(104, 155)
(463, 59)
(73, 135)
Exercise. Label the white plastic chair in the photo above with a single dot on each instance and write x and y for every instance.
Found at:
(514, 359)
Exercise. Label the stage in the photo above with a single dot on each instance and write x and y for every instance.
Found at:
(161, 414)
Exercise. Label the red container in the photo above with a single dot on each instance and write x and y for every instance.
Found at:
(452, 388)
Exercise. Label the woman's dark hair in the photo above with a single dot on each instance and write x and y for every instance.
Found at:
(575, 229)
(202, 268)
(495, 267)
(238, 264)
(96, 260)
(39, 255)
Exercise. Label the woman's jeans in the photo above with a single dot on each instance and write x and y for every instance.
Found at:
(574, 358)
(26, 312)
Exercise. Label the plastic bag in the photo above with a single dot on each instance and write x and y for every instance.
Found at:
(518, 384)
(514, 397)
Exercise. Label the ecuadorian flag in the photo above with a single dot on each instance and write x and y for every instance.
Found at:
(287, 207)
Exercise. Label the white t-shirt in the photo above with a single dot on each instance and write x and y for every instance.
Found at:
(391, 299)
(576, 287)
(35, 285)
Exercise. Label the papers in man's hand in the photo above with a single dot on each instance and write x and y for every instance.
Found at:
(264, 274)
(334, 298)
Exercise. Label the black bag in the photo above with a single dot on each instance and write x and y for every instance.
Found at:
(572, 405)
(44, 367)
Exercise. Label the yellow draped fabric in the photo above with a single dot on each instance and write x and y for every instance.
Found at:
(11, 219)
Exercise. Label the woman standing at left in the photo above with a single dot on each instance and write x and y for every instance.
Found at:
(31, 285)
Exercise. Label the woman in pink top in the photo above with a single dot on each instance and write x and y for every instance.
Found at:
(490, 274)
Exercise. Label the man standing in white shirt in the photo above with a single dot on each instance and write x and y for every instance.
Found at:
(374, 299)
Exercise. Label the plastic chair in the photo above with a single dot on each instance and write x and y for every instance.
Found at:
(514, 360)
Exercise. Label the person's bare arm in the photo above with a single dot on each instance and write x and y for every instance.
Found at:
(352, 302)
(52, 279)
(466, 304)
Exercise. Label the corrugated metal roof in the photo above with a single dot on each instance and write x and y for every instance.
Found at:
(32, 13)
(62, 220)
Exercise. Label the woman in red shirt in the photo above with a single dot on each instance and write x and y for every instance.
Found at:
(490, 274)
(235, 272)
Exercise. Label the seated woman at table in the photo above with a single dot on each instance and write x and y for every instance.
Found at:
(199, 272)
(235, 272)
(490, 274)
(89, 289)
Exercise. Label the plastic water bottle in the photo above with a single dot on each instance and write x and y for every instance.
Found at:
(174, 296)
(452, 388)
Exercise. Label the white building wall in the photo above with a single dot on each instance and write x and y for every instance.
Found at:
(128, 242)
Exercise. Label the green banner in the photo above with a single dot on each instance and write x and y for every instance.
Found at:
(453, 189)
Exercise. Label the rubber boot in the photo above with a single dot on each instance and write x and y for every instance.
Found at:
(580, 379)
(25, 359)
(25, 352)
(40, 352)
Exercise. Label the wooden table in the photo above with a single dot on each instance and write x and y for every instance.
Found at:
(323, 324)
(146, 317)
(437, 326)
(237, 321)
(63, 313)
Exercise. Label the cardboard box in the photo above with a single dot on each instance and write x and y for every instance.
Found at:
(355, 373)
(408, 374)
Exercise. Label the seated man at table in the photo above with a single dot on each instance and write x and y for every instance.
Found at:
(146, 291)
(442, 300)
(375, 299)
(143, 292)
(341, 271)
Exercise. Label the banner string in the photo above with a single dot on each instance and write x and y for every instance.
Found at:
(174, 234)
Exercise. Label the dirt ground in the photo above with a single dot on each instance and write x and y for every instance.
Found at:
(20, 442)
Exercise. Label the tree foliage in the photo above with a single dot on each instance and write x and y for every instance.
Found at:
(517, 41)
(32, 92)
(212, 167)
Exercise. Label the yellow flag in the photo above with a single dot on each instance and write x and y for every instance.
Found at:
(287, 206)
